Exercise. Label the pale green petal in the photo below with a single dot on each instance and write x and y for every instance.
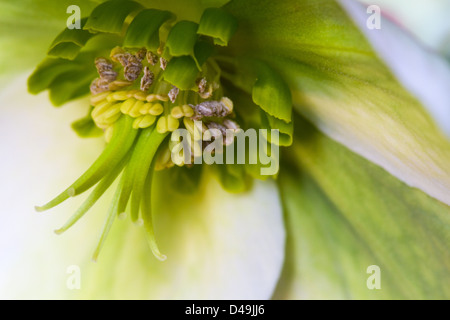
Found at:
(344, 214)
(422, 71)
(40, 154)
(426, 20)
(340, 85)
(218, 246)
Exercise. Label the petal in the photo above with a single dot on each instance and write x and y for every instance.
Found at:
(38, 146)
(339, 84)
(427, 21)
(219, 246)
(344, 214)
(27, 30)
(429, 78)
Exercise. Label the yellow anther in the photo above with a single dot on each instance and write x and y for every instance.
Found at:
(120, 95)
(195, 129)
(161, 126)
(146, 108)
(142, 96)
(151, 98)
(110, 97)
(127, 105)
(163, 159)
(112, 111)
(156, 109)
(131, 93)
(189, 124)
(112, 119)
(162, 97)
(227, 103)
(98, 98)
(147, 121)
(172, 123)
(137, 122)
(136, 109)
(167, 123)
(119, 84)
(187, 110)
(177, 112)
(100, 109)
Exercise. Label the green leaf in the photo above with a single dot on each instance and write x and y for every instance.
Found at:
(31, 24)
(182, 39)
(86, 128)
(68, 43)
(184, 10)
(286, 130)
(50, 69)
(144, 29)
(218, 24)
(65, 79)
(267, 87)
(182, 72)
(70, 86)
(272, 94)
(344, 214)
(202, 51)
(339, 84)
(110, 16)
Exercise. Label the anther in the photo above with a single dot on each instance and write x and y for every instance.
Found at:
(152, 58)
(219, 109)
(105, 69)
(173, 94)
(147, 79)
(163, 63)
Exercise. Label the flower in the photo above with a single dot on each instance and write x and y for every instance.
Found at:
(363, 178)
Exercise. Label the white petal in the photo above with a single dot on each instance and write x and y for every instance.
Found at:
(219, 246)
(426, 20)
(421, 71)
(40, 155)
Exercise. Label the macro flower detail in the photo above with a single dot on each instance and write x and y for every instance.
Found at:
(350, 171)
(138, 103)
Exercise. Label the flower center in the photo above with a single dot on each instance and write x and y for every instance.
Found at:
(130, 84)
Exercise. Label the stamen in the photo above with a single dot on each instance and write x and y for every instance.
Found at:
(141, 54)
(99, 85)
(147, 79)
(156, 109)
(105, 69)
(163, 63)
(119, 84)
(99, 97)
(173, 94)
(219, 109)
(152, 58)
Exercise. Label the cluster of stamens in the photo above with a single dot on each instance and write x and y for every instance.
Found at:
(132, 85)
